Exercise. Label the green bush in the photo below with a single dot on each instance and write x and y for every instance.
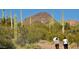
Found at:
(6, 43)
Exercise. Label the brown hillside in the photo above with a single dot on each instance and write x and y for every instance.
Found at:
(41, 18)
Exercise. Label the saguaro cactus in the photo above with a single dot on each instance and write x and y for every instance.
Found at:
(11, 19)
(15, 33)
(49, 24)
(62, 22)
(3, 15)
(21, 18)
(30, 20)
(15, 28)
(49, 21)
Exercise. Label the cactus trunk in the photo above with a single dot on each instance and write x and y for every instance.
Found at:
(21, 18)
(11, 19)
(63, 22)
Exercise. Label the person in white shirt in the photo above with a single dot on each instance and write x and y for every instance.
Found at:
(56, 42)
(65, 43)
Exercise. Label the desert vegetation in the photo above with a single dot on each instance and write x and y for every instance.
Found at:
(27, 34)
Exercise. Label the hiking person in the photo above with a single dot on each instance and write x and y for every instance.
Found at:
(65, 43)
(56, 42)
(54, 38)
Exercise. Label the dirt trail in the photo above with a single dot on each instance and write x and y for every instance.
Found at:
(50, 45)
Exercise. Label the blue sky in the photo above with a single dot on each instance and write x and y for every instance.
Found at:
(69, 14)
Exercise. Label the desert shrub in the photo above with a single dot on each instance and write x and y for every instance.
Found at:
(6, 35)
(6, 43)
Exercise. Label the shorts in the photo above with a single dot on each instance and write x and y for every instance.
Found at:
(65, 46)
(57, 46)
